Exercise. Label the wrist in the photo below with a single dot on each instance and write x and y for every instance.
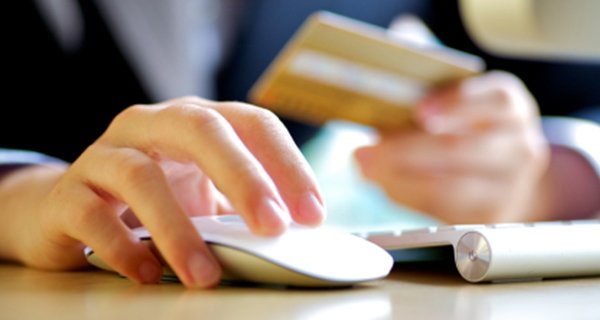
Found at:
(21, 191)
(571, 187)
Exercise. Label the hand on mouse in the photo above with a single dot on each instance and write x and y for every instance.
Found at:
(477, 154)
(157, 165)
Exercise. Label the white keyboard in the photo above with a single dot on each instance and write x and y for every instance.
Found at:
(509, 251)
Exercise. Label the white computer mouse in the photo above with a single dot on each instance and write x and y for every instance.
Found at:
(302, 256)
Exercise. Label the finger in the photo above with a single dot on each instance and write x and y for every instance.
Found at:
(270, 142)
(491, 155)
(491, 101)
(451, 198)
(89, 218)
(223, 204)
(190, 132)
(193, 189)
(132, 177)
(451, 184)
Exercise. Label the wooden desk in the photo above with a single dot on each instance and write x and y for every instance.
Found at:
(407, 293)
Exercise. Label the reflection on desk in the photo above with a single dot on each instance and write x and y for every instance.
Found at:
(409, 292)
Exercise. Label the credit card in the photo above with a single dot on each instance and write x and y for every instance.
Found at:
(338, 68)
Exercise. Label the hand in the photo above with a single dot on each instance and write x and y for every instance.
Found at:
(476, 155)
(157, 165)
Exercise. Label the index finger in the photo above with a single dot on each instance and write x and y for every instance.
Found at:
(185, 131)
(270, 142)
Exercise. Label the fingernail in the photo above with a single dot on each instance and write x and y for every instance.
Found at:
(430, 107)
(434, 124)
(149, 272)
(310, 209)
(202, 271)
(443, 125)
(272, 218)
(433, 120)
(363, 155)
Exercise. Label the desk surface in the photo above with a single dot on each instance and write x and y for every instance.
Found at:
(413, 293)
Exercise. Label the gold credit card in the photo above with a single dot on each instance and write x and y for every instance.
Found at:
(335, 67)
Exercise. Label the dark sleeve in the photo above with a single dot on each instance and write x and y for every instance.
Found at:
(59, 102)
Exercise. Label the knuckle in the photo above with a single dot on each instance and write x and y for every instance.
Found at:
(507, 86)
(251, 112)
(135, 168)
(264, 120)
(190, 99)
(84, 214)
(197, 101)
(205, 117)
(262, 115)
(124, 119)
(197, 117)
(129, 113)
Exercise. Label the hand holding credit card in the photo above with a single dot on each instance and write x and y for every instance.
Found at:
(339, 68)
